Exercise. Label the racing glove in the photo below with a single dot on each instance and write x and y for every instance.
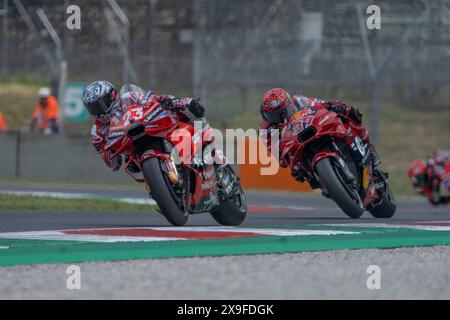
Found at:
(177, 104)
(166, 101)
(196, 108)
(345, 110)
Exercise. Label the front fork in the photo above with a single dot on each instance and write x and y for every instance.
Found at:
(364, 161)
(361, 153)
(227, 180)
(168, 166)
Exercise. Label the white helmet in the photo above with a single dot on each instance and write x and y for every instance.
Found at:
(44, 93)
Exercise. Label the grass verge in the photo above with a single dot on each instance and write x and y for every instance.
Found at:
(17, 103)
(28, 203)
(77, 184)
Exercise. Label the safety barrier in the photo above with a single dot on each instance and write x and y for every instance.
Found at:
(252, 178)
(52, 158)
(73, 159)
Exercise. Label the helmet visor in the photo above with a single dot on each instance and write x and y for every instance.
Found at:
(273, 116)
(97, 108)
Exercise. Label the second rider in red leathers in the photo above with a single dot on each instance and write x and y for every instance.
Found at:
(278, 107)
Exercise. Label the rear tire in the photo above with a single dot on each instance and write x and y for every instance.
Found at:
(231, 213)
(159, 188)
(328, 177)
(387, 207)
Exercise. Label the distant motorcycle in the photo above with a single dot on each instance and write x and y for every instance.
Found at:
(439, 187)
(143, 136)
(432, 178)
(326, 146)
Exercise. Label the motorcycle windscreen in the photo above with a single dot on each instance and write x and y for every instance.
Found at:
(130, 95)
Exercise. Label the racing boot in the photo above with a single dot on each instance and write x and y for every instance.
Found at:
(445, 200)
(299, 174)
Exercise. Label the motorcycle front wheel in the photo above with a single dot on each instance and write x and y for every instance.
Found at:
(163, 193)
(346, 198)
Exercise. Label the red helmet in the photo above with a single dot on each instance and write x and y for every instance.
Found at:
(275, 104)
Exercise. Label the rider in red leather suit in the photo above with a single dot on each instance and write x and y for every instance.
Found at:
(102, 101)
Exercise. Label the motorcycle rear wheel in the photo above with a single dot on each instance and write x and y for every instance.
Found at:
(328, 176)
(386, 209)
(233, 211)
(163, 196)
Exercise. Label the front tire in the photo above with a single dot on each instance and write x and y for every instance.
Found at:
(160, 191)
(328, 176)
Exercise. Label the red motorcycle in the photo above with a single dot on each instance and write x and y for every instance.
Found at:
(328, 149)
(431, 178)
(144, 135)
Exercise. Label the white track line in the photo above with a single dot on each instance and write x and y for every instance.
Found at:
(292, 207)
(61, 235)
(392, 226)
(84, 196)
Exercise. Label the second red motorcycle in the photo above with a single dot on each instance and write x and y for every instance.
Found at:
(327, 148)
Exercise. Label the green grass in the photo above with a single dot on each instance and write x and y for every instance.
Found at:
(17, 102)
(25, 79)
(28, 203)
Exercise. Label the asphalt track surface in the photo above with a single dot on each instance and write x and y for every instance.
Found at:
(265, 209)
(407, 273)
